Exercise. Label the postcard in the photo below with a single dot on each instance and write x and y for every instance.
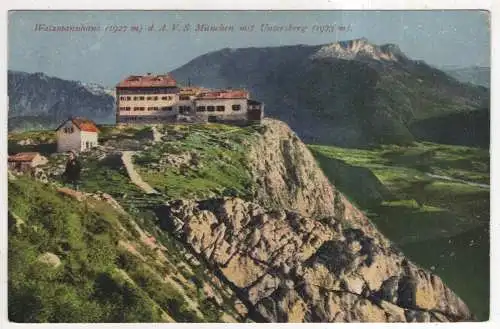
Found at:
(248, 166)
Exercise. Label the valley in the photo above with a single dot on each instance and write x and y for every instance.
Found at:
(432, 200)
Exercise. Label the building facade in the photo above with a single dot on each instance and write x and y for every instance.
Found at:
(76, 134)
(146, 99)
(158, 98)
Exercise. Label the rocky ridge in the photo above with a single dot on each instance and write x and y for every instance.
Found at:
(300, 252)
(360, 49)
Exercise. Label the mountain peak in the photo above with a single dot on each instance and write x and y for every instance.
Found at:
(360, 49)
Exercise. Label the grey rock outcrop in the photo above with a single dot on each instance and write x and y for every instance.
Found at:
(294, 268)
(301, 252)
(286, 172)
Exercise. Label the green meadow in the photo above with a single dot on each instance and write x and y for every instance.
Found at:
(431, 200)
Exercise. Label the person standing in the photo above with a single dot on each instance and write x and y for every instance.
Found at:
(72, 172)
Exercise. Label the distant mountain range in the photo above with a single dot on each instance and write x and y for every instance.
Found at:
(350, 93)
(478, 75)
(37, 101)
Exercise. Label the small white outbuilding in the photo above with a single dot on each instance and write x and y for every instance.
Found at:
(77, 134)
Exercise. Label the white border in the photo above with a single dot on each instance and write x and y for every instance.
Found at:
(262, 5)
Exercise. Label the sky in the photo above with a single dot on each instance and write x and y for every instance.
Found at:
(104, 56)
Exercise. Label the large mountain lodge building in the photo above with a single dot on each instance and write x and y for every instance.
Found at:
(158, 99)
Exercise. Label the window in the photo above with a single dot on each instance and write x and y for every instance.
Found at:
(141, 98)
(155, 98)
(183, 97)
(164, 98)
(166, 108)
(236, 107)
(210, 108)
(128, 98)
(221, 108)
(151, 108)
(149, 98)
(68, 130)
(136, 98)
(200, 109)
(87, 145)
(136, 108)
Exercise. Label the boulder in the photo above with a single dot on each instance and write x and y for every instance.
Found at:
(49, 259)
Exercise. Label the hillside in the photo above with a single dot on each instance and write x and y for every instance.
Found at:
(37, 101)
(350, 93)
(478, 75)
(474, 128)
(243, 226)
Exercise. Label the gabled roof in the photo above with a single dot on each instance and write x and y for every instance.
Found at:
(82, 123)
(23, 157)
(149, 80)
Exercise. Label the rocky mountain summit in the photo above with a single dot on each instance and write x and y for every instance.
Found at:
(360, 49)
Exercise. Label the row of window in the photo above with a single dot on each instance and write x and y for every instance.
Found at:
(149, 98)
(182, 109)
(150, 108)
(219, 108)
(141, 118)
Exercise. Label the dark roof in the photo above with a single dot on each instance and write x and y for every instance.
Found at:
(253, 102)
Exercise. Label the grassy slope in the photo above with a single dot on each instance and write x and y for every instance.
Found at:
(218, 175)
(442, 225)
(98, 281)
(218, 167)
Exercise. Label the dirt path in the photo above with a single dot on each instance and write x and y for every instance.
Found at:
(133, 174)
(486, 186)
(156, 134)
